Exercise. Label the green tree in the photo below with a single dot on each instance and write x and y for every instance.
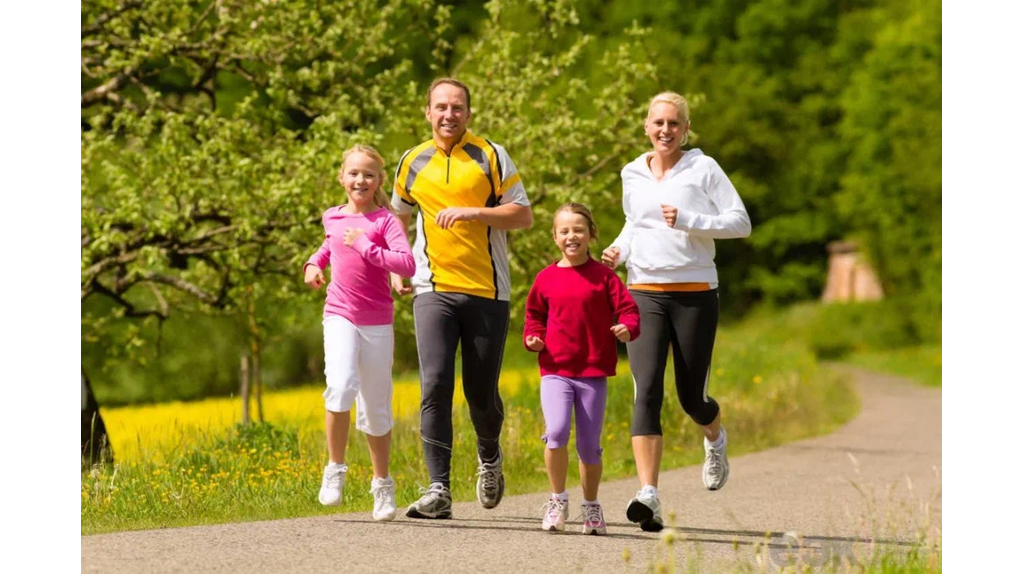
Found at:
(212, 134)
(892, 191)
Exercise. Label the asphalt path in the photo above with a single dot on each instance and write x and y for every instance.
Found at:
(873, 484)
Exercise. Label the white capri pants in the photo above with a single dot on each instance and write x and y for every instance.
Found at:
(357, 362)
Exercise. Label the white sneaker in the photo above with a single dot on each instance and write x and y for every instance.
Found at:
(645, 509)
(593, 520)
(383, 491)
(556, 512)
(716, 464)
(332, 484)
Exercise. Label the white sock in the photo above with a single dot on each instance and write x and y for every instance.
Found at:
(651, 489)
(590, 502)
(336, 465)
(384, 480)
(720, 442)
(563, 496)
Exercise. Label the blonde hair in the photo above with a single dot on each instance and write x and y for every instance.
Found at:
(578, 209)
(380, 197)
(682, 108)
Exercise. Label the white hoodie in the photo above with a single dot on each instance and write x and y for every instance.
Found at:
(709, 209)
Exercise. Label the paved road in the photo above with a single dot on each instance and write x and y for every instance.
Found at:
(877, 478)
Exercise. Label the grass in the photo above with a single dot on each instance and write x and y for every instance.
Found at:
(897, 535)
(872, 335)
(675, 553)
(922, 364)
(182, 464)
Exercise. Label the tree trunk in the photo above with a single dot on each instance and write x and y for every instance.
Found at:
(258, 384)
(244, 376)
(95, 443)
(254, 352)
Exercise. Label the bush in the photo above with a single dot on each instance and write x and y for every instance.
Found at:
(839, 329)
(831, 331)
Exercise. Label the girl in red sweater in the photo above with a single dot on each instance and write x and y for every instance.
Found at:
(576, 310)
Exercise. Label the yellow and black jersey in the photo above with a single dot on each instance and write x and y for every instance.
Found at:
(470, 257)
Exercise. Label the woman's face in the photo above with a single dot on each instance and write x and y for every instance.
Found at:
(665, 128)
(360, 178)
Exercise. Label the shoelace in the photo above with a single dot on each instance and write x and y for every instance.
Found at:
(380, 491)
(592, 513)
(431, 490)
(490, 477)
(642, 495)
(714, 459)
(555, 508)
(333, 479)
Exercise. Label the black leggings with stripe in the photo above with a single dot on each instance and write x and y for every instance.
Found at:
(443, 322)
(686, 321)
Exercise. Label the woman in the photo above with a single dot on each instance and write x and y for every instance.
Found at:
(676, 204)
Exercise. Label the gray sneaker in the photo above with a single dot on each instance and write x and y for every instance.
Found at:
(490, 483)
(436, 502)
(716, 464)
(645, 509)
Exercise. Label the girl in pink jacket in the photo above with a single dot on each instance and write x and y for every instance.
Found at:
(364, 243)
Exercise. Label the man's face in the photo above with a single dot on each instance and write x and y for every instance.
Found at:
(448, 113)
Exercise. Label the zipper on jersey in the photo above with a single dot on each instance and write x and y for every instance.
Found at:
(448, 169)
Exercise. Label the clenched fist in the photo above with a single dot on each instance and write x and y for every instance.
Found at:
(314, 277)
(610, 256)
(670, 214)
(534, 343)
(351, 234)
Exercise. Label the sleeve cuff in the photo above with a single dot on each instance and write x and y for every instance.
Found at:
(362, 243)
(402, 206)
(685, 220)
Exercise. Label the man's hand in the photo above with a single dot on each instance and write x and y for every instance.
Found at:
(610, 257)
(534, 343)
(399, 285)
(670, 214)
(351, 234)
(449, 215)
(314, 277)
(621, 332)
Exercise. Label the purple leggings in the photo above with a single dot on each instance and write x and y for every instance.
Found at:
(557, 396)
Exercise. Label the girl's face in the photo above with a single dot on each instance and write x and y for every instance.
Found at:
(360, 176)
(665, 128)
(572, 235)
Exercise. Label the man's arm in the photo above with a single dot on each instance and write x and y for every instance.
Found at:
(508, 216)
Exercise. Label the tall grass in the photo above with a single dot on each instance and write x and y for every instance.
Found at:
(874, 335)
(882, 549)
(185, 464)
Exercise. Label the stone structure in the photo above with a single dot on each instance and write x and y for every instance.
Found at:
(850, 277)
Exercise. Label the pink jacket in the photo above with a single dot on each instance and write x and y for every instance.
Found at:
(360, 290)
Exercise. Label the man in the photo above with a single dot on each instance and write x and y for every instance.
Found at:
(469, 194)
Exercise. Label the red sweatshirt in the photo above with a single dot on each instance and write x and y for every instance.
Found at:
(572, 309)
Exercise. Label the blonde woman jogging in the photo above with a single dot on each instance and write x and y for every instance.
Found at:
(676, 204)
